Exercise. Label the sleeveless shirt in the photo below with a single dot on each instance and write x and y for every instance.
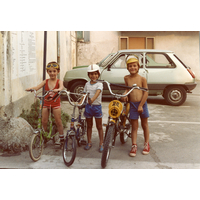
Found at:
(47, 102)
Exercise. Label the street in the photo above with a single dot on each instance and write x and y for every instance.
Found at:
(174, 141)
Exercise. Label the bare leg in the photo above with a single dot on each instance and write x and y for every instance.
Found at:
(45, 118)
(89, 129)
(134, 123)
(57, 116)
(145, 127)
(100, 129)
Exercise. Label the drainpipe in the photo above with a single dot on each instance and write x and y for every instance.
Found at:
(44, 58)
(58, 50)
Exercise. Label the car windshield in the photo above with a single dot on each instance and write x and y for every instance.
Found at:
(105, 60)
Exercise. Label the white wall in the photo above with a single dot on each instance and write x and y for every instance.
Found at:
(101, 44)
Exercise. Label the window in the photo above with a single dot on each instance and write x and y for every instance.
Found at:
(158, 61)
(136, 43)
(83, 36)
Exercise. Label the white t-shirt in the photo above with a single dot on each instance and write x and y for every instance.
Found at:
(92, 88)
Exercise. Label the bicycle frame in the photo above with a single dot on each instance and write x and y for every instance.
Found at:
(117, 113)
(73, 119)
(46, 135)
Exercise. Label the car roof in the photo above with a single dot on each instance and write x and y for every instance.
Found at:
(144, 51)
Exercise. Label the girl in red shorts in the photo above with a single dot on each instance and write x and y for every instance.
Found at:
(53, 83)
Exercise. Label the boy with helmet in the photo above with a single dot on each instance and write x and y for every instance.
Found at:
(138, 105)
(93, 107)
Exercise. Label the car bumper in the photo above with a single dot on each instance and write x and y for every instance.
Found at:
(190, 86)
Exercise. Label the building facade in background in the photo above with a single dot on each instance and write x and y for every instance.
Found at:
(21, 56)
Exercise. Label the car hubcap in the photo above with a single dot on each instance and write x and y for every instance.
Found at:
(78, 90)
(175, 95)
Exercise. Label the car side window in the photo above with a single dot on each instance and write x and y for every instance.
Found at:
(158, 61)
(119, 63)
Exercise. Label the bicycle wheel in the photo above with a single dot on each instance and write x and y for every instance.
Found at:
(125, 133)
(69, 150)
(36, 147)
(81, 131)
(107, 145)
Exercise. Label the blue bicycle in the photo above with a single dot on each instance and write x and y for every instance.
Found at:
(75, 133)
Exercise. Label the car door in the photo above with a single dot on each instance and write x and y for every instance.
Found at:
(160, 71)
(115, 73)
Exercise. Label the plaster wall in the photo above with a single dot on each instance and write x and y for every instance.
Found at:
(101, 44)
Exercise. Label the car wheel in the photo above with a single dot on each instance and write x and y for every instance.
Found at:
(175, 95)
(77, 87)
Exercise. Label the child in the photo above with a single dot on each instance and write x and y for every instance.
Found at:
(138, 105)
(56, 85)
(93, 107)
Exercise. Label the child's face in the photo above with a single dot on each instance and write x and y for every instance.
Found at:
(52, 72)
(93, 76)
(133, 68)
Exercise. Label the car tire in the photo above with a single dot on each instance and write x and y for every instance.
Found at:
(175, 95)
(77, 87)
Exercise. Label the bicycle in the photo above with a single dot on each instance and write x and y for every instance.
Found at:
(74, 134)
(40, 137)
(118, 121)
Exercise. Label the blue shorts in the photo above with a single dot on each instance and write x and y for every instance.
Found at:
(93, 111)
(134, 114)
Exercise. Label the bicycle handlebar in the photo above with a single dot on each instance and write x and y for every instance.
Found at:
(123, 86)
(68, 95)
(37, 96)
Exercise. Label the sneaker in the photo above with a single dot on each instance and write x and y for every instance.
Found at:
(146, 149)
(60, 141)
(133, 150)
(101, 148)
(88, 146)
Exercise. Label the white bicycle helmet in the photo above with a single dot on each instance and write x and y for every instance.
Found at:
(93, 68)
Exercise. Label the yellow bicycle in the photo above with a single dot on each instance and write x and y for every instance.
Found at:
(118, 121)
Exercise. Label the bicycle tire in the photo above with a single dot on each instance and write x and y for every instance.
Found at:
(69, 150)
(125, 133)
(35, 147)
(82, 131)
(107, 145)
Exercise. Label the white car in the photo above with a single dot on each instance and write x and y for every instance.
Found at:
(166, 74)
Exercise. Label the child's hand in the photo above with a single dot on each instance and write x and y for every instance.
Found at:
(90, 101)
(56, 90)
(124, 99)
(140, 109)
(28, 89)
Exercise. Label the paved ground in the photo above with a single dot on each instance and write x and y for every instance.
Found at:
(174, 140)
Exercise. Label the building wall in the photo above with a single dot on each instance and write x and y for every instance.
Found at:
(100, 45)
(185, 44)
(14, 98)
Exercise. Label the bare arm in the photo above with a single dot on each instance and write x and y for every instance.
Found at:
(125, 98)
(37, 87)
(145, 95)
(95, 96)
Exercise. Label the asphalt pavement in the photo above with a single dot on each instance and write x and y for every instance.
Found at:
(174, 141)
